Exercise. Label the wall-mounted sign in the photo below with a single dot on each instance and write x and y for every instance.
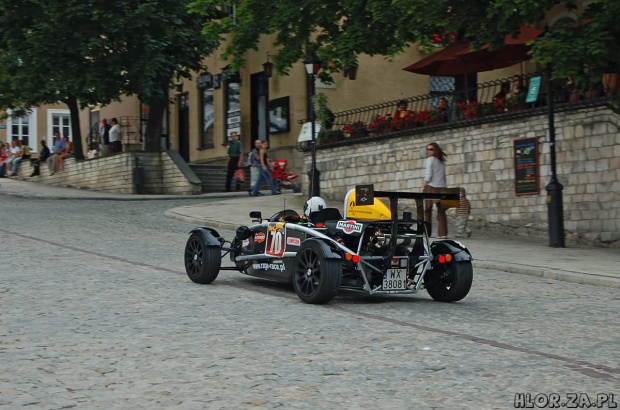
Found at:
(306, 132)
(533, 90)
(526, 166)
(204, 80)
(234, 122)
(2, 127)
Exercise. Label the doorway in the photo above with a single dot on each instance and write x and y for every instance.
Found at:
(260, 108)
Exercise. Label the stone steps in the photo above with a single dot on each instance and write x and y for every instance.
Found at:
(213, 178)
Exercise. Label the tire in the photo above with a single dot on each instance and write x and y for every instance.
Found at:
(202, 263)
(450, 284)
(316, 279)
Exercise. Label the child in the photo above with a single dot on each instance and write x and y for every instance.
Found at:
(462, 215)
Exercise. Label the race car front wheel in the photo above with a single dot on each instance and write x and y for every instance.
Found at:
(449, 282)
(202, 262)
(316, 279)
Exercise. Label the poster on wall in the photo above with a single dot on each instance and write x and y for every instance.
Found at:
(527, 166)
(279, 115)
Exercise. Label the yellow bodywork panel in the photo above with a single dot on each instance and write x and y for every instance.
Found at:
(378, 211)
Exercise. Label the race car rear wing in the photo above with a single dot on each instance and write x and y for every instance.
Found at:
(365, 195)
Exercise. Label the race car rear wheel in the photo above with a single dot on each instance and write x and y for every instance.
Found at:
(450, 282)
(316, 279)
(202, 262)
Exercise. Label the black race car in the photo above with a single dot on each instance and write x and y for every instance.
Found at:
(320, 252)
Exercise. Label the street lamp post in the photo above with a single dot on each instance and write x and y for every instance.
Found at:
(313, 64)
(554, 187)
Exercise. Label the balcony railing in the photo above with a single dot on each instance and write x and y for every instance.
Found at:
(485, 102)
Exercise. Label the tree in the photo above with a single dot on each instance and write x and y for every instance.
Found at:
(91, 52)
(53, 52)
(339, 30)
(158, 41)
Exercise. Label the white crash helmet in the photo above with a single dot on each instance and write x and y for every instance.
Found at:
(314, 204)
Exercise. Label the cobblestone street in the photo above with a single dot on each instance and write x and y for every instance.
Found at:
(96, 312)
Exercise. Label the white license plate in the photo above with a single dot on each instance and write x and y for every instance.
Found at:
(395, 279)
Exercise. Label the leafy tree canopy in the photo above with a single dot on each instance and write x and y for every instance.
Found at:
(94, 51)
(339, 30)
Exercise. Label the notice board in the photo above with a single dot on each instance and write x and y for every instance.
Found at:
(527, 166)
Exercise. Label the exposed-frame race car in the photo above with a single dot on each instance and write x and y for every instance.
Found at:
(320, 252)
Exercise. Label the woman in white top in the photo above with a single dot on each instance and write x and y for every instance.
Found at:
(115, 137)
(434, 180)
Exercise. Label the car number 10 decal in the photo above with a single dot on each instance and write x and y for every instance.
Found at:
(275, 241)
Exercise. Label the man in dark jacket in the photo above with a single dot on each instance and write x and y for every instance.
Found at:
(36, 162)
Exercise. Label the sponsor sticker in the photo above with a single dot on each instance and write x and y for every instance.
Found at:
(259, 237)
(293, 241)
(245, 243)
(273, 265)
(349, 226)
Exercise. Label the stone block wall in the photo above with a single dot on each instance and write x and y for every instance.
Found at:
(480, 159)
(115, 174)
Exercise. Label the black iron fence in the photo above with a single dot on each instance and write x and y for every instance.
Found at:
(498, 100)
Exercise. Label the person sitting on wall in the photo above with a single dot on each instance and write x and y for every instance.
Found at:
(59, 146)
(36, 162)
(67, 151)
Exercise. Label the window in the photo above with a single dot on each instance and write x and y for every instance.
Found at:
(279, 115)
(233, 110)
(207, 110)
(20, 129)
(207, 118)
(59, 121)
(62, 124)
(23, 128)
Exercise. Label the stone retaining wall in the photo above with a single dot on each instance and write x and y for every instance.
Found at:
(480, 159)
(114, 174)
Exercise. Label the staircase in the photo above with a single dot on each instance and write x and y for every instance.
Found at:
(213, 177)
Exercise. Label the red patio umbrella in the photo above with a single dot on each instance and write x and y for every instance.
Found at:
(458, 58)
(514, 51)
(443, 62)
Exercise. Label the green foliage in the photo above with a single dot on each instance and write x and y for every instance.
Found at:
(339, 30)
(94, 51)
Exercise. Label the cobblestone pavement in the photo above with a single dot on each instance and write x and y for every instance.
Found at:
(97, 313)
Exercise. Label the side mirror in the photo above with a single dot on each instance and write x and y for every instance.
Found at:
(256, 216)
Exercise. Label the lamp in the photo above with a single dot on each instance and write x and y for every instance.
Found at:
(313, 65)
(352, 71)
(268, 67)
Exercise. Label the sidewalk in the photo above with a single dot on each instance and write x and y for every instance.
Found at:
(530, 256)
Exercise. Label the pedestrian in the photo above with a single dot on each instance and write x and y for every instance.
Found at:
(8, 157)
(235, 156)
(462, 215)
(115, 137)
(434, 180)
(59, 146)
(25, 154)
(254, 164)
(67, 151)
(36, 162)
(264, 172)
(104, 134)
(16, 150)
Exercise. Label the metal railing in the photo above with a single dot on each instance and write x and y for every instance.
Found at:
(483, 102)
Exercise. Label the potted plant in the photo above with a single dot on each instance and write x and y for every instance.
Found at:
(380, 124)
(356, 129)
